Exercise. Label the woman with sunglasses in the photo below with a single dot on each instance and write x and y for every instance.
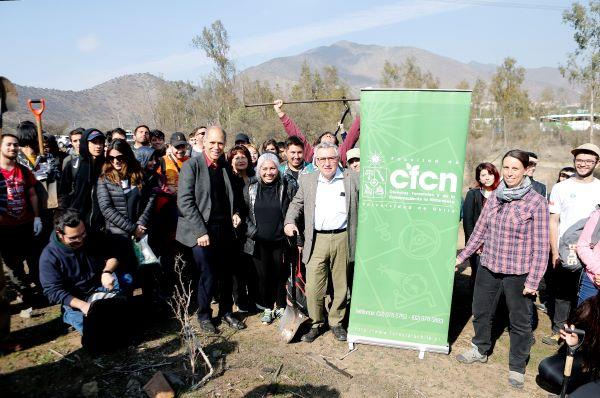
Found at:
(126, 203)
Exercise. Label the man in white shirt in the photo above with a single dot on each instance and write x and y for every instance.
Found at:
(571, 200)
(328, 202)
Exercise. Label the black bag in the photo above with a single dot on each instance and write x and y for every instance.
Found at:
(108, 325)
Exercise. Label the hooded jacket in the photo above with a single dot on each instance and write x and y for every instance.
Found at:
(66, 273)
(83, 198)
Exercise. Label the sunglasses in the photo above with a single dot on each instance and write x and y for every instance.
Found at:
(119, 158)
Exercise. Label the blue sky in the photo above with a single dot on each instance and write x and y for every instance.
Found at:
(70, 44)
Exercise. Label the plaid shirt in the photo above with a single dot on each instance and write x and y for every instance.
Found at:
(516, 237)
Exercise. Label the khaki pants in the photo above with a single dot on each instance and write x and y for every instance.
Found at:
(330, 254)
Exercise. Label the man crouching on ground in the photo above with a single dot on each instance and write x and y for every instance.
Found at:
(70, 274)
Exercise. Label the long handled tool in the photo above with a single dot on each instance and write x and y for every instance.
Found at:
(569, 360)
(37, 113)
(304, 101)
(8, 97)
(292, 317)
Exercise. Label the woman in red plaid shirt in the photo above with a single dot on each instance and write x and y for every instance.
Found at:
(514, 227)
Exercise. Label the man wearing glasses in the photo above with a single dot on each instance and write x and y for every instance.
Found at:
(328, 200)
(571, 201)
(196, 142)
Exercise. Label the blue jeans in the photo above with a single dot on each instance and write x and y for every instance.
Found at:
(587, 289)
(74, 317)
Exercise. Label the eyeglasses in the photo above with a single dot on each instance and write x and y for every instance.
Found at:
(353, 160)
(587, 162)
(119, 158)
(565, 175)
(328, 159)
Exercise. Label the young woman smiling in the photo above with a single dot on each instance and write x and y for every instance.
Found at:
(513, 229)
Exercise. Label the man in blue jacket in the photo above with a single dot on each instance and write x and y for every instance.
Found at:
(71, 274)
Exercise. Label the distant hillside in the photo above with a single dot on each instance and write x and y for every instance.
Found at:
(129, 100)
(360, 66)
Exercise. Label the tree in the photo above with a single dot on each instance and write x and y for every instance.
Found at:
(512, 101)
(462, 85)
(408, 75)
(583, 64)
(215, 43)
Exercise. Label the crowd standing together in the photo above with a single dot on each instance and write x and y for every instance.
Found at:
(241, 218)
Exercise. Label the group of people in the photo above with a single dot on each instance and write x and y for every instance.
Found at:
(242, 217)
(233, 216)
(517, 237)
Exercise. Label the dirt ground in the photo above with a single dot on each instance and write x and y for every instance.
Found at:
(53, 364)
(256, 363)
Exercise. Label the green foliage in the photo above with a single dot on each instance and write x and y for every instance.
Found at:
(407, 75)
(583, 64)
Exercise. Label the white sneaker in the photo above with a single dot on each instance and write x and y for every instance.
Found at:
(471, 355)
(267, 317)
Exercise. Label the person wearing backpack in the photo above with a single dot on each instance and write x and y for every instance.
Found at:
(588, 251)
(571, 203)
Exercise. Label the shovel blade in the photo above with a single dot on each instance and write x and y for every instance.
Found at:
(290, 322)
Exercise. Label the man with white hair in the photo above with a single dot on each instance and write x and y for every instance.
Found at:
(328, 201)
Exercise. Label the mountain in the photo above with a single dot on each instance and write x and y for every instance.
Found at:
(129, 100)
(360, 65)
(126, 100)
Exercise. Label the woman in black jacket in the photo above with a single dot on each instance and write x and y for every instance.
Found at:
(488, 178)
(125, 202)
(267, 200)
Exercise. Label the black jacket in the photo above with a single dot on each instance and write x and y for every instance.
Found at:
(84, 197)
(471, 211)
(113, 204)
(287, 188)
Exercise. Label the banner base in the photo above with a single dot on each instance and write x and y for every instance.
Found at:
(439, 349)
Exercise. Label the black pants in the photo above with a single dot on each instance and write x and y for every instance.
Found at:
(489, 286)
(564, 286)
(271, 273)
(551, 371)
(214, 263)
(17, 245)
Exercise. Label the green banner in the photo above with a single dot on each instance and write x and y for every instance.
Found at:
(412, 148)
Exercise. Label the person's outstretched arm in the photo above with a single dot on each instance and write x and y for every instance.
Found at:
(293, 130)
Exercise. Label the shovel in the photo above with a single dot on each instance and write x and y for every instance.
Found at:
(8, 97)
(37, 112)
(292, 318)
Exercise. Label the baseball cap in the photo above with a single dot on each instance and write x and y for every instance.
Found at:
(353, 153)
(241, 137)
(586, 148)
(178, 139)
(95, 134)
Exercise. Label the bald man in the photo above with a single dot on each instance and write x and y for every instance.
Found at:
(210, 207)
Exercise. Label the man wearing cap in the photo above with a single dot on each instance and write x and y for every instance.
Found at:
(209, 206)
(571, 201)
(327, 204)
(537, 186)
(242, 139)
(353, 156)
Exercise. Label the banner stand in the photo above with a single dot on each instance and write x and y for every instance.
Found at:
(413, 145)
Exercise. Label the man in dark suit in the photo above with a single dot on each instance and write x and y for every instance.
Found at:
(328, 202)
(536, 185)
(209, 207)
